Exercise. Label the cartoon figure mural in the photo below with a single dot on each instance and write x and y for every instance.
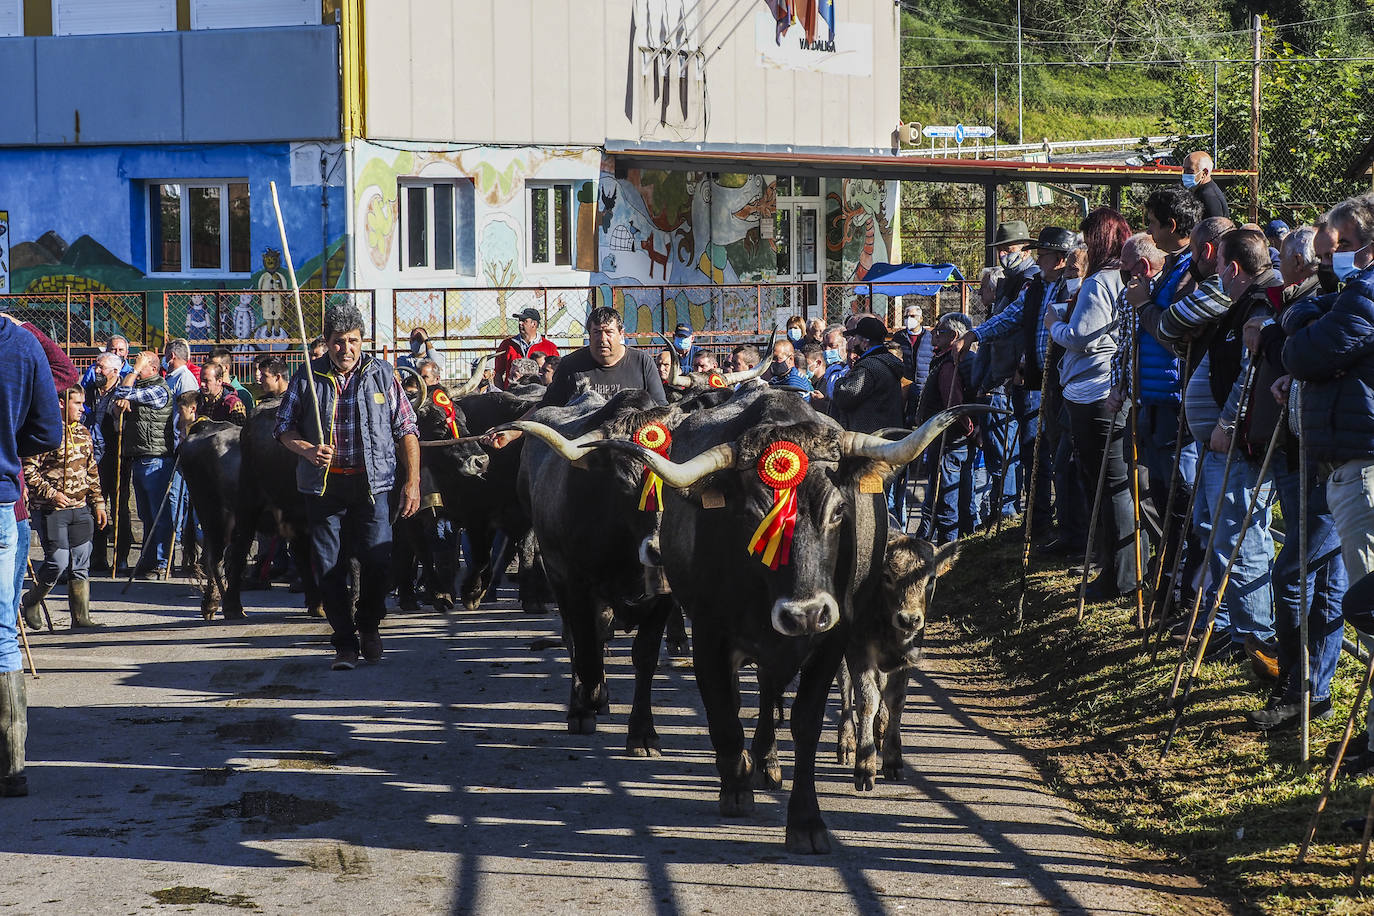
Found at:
(272, 281)
(199, 325)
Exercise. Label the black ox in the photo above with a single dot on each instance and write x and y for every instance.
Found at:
(796, 618)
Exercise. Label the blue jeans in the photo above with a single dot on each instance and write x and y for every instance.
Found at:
(151, 476)
(14, 554)
(943, 519)
(1326, 583)
(1247, 608)
(999, 452)
(348, 522)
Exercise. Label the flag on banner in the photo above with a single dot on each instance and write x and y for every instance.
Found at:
(782, 12)
(807, 17)
(827, 12)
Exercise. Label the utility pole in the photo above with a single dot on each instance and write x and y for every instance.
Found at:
(1255, 121)
(1020, 127)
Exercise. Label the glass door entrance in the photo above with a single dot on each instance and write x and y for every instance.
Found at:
(797, 239)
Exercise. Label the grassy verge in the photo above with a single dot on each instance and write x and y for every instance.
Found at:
(1231, 803)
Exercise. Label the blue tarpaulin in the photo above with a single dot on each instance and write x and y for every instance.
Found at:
(908, 279)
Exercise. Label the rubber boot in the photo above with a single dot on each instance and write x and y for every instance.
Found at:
(79, 603)
(14, 729)
(32, 604)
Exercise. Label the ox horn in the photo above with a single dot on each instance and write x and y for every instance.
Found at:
(906, 450)
(678, 476)
(748, 375)
(571, 449)
(675, 379)
(424, 389)
(475, 379)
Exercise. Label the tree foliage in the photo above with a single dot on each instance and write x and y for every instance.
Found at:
(1316, 115)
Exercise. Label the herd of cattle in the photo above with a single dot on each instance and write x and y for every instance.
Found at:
(617, 507)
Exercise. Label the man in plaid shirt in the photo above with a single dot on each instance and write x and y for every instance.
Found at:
(348, 471)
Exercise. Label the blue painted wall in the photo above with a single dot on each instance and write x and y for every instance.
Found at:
(92, 198)
(196, 86)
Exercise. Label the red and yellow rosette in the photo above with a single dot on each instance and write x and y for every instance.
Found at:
(656, 438)
(782, 467)
(441, 401)
(715, 379)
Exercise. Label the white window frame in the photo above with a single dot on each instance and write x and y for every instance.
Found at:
(403, 186)
(530, 188)
(18, 27)
(186, 184)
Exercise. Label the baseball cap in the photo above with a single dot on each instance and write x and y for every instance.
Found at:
(532, 314)
(683, 330)
(869, 327)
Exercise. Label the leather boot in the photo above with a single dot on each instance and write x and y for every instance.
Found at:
(32, 604)
(14, 729)
(79, 603)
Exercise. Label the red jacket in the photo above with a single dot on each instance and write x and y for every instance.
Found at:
(510, 350)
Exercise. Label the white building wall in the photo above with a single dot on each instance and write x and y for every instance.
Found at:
(562, 72)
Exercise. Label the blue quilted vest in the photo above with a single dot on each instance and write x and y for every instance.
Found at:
(1161, 375)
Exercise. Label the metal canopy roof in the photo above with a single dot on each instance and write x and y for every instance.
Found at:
(898, 168)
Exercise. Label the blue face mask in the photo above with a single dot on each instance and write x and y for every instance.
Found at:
(1189, 180)
(832, 357)
(683, 343)
(794, 334)
(166, 365)
(1343, 263)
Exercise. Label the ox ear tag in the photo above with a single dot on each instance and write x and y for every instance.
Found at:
(379, 397)
(712, 499)
(870, 483)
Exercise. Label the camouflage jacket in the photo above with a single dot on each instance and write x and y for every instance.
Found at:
(70, 470)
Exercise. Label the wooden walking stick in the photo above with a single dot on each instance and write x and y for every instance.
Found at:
(1093, 519)
(1304, 606)
(28, 653)
(1134, 469)
(1226, 574)
(42, 602)
(1336, 764)
(1249, 383)
(1364, 843)
(119, 494)
(1019, 614)
(1168, 605)
(1175, 480)
(300, 315)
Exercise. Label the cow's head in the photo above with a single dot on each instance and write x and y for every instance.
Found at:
(440, 420)
(790, 490)
(910, 570)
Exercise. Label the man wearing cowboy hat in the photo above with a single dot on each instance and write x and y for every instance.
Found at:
(995, 363)
(1024, 321)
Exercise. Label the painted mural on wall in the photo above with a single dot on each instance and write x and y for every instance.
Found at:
(658, 245)
(97, 241)
(858, 227)
(497, 225)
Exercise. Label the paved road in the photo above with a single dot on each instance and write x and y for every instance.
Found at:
(178, 761)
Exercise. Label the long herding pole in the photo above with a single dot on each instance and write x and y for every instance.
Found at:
(300, 315)
(1093, 519)
(1304, 561)
(1134, 467)
(1226, 574)
(1019, 614)
(1165, 526)
(1212, 534)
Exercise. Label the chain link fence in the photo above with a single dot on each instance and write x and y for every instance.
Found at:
(1316, 119)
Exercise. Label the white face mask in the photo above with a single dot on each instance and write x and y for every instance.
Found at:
(1071, 285)
(912, 322)
(1343, 263)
